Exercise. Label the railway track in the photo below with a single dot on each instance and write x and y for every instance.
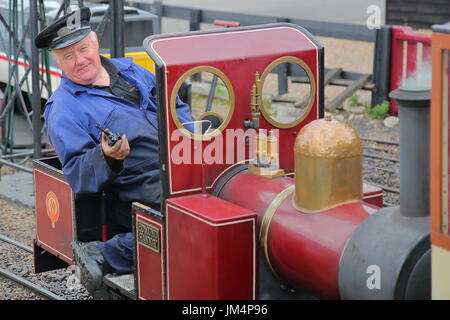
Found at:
(381, 167)
(35, 288)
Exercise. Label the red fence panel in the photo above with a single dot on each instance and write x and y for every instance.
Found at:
(410, 58)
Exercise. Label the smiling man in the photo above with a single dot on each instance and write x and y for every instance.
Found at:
(82, 63)
(96, 92)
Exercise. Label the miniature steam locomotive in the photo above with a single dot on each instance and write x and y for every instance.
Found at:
(264, 200)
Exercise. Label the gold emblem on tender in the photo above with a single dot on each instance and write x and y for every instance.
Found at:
(52, 207)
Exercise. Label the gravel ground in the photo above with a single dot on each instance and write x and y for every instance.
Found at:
(368, 128)
(375, 129)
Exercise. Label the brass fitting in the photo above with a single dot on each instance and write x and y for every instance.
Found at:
(267, 157)
(328, 165)
(255, 104)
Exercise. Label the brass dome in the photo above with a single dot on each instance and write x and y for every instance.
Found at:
(328, 166)
(328, 138)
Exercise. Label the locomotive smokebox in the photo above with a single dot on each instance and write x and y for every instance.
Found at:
(389, 256)
(414, 112)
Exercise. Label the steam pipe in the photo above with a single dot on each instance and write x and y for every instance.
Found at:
(414, 112)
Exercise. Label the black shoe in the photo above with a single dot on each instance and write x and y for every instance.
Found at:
(92, 264)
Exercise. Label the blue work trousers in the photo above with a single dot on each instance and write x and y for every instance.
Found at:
(118, 252)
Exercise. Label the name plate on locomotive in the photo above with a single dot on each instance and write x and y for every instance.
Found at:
(148, 236)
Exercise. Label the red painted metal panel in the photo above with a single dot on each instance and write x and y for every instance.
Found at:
(405, 36)
(239, 54)
(211, 249)
(150, 265)
(373, 195)
(305, 249)
(252, 191)
(54, 214)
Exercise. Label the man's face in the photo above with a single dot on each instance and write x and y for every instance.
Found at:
(80, 61)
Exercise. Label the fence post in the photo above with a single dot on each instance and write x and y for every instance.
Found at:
(382, 65)
(195, 19)
(158, 11)
(36, 94)
(283, 70)
(117, 32)
(283, 20)
(194, 25)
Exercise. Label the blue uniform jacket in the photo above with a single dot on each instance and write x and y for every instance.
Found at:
(71, 115)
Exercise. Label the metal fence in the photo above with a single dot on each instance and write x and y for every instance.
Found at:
(317, 28)
(380, 77)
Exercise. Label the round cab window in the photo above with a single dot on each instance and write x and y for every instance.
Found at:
(208, 95)
(289, 108)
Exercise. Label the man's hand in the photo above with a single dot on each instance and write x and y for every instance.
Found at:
(119, 151)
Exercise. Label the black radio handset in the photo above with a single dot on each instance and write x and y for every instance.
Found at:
(111, 137)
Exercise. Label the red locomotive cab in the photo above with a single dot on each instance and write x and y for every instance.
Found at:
(222, 74)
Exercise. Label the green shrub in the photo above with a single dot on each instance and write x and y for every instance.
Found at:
(221, 90)
(353, 101)
(267, 104)
(380, 111)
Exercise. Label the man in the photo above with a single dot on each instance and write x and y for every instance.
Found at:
(107, 93)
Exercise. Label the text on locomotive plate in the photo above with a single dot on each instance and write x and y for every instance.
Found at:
(148, 236)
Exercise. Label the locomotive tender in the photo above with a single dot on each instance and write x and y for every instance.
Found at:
(262, 200)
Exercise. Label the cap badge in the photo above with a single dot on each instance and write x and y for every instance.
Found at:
(73, 22)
